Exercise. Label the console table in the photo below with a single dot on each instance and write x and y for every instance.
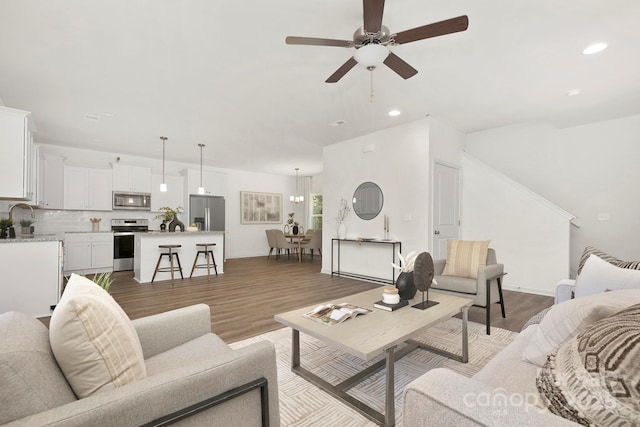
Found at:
(336, 243)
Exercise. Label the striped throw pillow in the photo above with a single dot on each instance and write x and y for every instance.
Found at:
(464, 257)
(590, 250)
(93, 340)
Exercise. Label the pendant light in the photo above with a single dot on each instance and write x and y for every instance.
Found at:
(297, 199)
(201, 188)
(163, 186)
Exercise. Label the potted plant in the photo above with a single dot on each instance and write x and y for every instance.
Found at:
(26, 226)
(104, 280)
(168, 215)
(342, 214)
(292, 225)
(5, 223)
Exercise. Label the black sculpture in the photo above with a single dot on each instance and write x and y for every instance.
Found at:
(423, 272)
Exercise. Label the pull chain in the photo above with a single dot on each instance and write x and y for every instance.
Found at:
(371, 93)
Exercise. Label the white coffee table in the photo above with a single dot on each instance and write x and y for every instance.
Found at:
(372, 334)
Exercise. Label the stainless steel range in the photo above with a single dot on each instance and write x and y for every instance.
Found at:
(123, 241)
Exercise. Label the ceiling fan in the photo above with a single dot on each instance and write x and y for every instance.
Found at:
(372, 39)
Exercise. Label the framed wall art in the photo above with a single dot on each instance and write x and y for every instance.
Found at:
(260, 208)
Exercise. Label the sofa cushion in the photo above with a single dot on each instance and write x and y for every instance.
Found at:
(93, 340)
(30, 378)
(593, 378)
(201, 348)
(464, 257)
(456, 284)
(599, 276)
(567, 319)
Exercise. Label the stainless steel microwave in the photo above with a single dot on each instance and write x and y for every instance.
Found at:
(137, 201)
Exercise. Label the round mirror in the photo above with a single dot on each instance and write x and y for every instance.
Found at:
(367, 200)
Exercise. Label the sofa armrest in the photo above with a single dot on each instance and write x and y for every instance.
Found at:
(445, 398)
(564, 290)
(164, 331)
(173, 390)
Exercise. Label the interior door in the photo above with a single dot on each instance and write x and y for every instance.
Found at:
(446, 207)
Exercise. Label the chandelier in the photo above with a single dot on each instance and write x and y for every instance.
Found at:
(297, 199)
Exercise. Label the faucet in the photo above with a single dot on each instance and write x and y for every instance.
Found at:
(24, 205)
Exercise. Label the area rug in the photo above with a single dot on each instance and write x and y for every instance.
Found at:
(303, 404)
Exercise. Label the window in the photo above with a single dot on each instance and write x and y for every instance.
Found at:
(316, 211)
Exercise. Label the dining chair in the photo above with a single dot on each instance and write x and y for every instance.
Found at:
(314, 243)
(271, 240)
(282, 243)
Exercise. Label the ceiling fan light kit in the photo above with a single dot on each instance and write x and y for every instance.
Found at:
(371, 41)
(371, 55)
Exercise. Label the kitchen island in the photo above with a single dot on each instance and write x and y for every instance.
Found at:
(31, 274)
(146, 253)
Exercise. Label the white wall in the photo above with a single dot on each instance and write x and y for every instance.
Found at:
(586, 170)
(530, 234)
(242, 240)
(400, 164)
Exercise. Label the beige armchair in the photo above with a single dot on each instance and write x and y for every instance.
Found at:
(193, 378)
(484, 290)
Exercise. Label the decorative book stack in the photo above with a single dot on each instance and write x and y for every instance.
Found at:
(390, 307)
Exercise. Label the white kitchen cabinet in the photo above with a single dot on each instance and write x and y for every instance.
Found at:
(31, 276)
(173, 197)
(87, 188)
(136, 179)
(50, 188)
(16, 146)
(88, 253)
(215, 183)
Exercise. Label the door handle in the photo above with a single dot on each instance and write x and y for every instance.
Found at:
(436, 232)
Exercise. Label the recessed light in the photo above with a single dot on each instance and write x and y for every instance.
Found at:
(337, 123)
(394, 113)
(594, 48)
(91, 117)
(108, 114)
(574, 92)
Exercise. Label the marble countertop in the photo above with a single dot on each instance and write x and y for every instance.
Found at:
(32, 238)
(178, 233)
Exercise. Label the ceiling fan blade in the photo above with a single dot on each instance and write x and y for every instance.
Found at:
(313, 41)
(398, 65)
(373, 10)
(340, 72)
(453, 25)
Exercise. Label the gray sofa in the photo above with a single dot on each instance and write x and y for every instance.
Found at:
(503, 393)
(192, 375)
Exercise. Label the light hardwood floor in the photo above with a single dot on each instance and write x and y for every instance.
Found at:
(251, 291)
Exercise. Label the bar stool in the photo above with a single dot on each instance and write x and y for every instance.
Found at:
(172, 267)
(206, 251)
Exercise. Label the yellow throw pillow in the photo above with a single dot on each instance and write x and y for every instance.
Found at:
(464, 257)
(93, 340)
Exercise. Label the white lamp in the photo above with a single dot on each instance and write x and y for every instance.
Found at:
(296, 199)
(163, 186)
(201, 188)
(371, 55)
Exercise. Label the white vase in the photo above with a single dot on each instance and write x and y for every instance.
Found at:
(342, 230)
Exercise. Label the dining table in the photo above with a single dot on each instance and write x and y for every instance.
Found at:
(300, 238)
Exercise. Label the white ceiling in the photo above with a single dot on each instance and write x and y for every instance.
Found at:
(219, 73)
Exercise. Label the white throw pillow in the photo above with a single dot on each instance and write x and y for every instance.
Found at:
(598, 275)
(93, 340)
(567, 319)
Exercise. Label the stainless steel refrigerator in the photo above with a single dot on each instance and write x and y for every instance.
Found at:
(207, 212)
